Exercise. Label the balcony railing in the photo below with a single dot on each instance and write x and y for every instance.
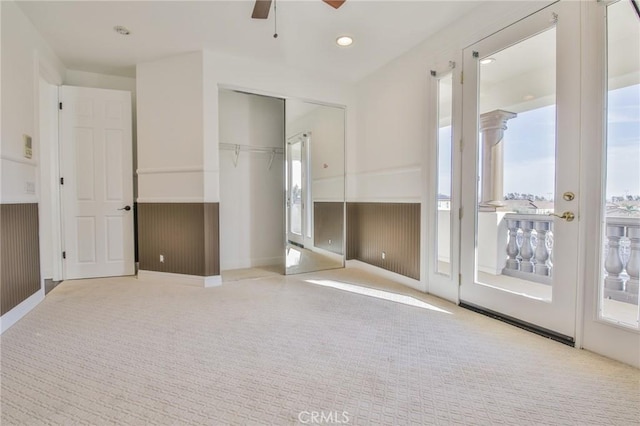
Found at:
(521, 245)
(529, 251)
(529, 247)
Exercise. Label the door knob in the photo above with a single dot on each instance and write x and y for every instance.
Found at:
(126, 208)
(568, 216)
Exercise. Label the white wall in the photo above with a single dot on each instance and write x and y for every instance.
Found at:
(393, 105)
(25, 59)
(394, 140)
(269, 79)
(31, 73)
(25, 55)
(170, 129)
(251, 194)
(178, 117)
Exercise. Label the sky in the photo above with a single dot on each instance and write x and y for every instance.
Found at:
(529, 150)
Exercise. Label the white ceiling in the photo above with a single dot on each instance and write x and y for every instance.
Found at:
(81, 32)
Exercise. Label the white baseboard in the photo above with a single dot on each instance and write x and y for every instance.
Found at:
(180, 279)
(15, 314)
(409, 282)
(213, 281)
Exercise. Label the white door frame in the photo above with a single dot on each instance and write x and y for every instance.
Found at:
(106, 210)
(438, 283)
(596, 334)
(49, 184)
(303, 138)
(558, 316)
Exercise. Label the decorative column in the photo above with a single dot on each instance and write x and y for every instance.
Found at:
(492, 127)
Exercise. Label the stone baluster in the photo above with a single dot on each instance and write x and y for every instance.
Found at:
(526, 249)
(512, 245)
(613, 262)
(542, 254)
(633, 265)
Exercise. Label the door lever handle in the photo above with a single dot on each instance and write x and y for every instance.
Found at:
(126, 208)
(568, 216)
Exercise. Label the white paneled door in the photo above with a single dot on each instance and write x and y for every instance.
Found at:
(96, 172)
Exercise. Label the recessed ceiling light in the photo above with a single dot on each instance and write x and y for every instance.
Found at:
(486, 61)
(121, 30)
(344, 41)
(528, 97)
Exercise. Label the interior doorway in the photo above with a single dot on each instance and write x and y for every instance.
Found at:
(96, 181)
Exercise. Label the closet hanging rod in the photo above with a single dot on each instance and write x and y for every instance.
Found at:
(263, 149)
(249, 148)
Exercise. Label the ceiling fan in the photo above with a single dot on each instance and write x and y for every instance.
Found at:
(262, 7)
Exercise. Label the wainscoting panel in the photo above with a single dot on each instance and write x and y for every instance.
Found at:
(328, 222)
(20, 276)
(392, 228)
(185, 234)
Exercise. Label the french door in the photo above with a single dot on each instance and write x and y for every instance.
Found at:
(520, 171)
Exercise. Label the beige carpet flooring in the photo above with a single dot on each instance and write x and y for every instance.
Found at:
(263, 351)
(252, 273)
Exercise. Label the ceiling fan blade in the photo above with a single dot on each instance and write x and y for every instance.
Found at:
(334, 3)
(261, 9)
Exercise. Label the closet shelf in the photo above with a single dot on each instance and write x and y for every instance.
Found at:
(248, 148)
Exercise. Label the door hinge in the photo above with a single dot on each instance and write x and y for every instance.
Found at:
(64, 254)
(61, 181)
(59, 105)
(461, 77)
(461, 145)
(459, 279)
(460, 213)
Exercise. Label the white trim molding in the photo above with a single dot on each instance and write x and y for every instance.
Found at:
(180, 169)
(19, 160)
(173, 200)
(15, 314)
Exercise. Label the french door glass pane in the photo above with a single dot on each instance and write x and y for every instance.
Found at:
(443, 215)
(296, 188)
(516, 167)
(621, 225)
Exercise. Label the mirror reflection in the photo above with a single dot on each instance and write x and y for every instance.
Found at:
(314, 186)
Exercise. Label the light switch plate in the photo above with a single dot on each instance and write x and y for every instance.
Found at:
(28, 146)
(30, 187)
